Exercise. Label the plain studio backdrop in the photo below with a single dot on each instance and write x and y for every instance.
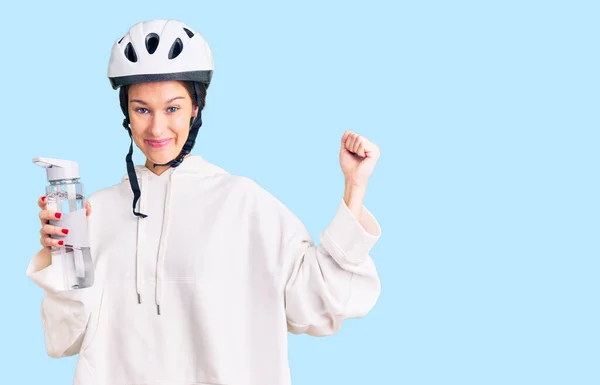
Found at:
(487, 188)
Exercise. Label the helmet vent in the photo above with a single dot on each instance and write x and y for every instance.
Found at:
(176, 49)
(130, 53)
(121, 39)
(151, 43)
(189, 33)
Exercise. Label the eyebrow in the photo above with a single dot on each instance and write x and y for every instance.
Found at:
(144, 103)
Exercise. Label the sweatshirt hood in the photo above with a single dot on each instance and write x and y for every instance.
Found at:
(192, 165)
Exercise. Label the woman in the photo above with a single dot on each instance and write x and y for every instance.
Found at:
(200, 274)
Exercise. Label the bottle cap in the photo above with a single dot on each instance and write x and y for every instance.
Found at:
(57, 169)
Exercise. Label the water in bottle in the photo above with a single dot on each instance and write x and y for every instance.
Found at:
(65, 194)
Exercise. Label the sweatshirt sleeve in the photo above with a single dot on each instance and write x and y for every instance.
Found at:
(333, 280)
(64, 313)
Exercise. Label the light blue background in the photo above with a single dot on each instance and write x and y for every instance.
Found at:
(487, 188)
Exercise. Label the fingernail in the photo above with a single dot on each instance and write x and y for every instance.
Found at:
(65, 231)
(43, 199)
(61, 242)
(58, 215)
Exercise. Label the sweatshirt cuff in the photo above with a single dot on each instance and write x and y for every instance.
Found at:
(351, 237)
(48, 278)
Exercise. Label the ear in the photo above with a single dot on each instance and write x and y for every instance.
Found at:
(195, 111)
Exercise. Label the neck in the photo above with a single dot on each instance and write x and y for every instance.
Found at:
(158, 169)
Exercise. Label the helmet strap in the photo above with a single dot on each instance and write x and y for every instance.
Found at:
(135, 187)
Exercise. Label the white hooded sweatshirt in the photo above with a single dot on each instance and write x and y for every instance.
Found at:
(223, 272)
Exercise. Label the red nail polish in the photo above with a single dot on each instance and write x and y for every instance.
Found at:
(61, 242)
(58, 215)
(43, 199)
(65, 231)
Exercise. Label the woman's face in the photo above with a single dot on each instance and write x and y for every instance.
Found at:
(159, 114)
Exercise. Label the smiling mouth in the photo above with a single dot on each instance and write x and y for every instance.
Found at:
(158, 143)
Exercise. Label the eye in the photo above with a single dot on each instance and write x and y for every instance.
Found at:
(172, 109)
(141, 110)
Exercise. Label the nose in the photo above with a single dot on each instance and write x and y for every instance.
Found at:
(158, 125)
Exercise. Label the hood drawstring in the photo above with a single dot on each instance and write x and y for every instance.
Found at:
(139, 276)
(142, 177)
(163, 244)
(141, 229)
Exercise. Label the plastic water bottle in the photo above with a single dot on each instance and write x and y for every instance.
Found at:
(65, 194)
